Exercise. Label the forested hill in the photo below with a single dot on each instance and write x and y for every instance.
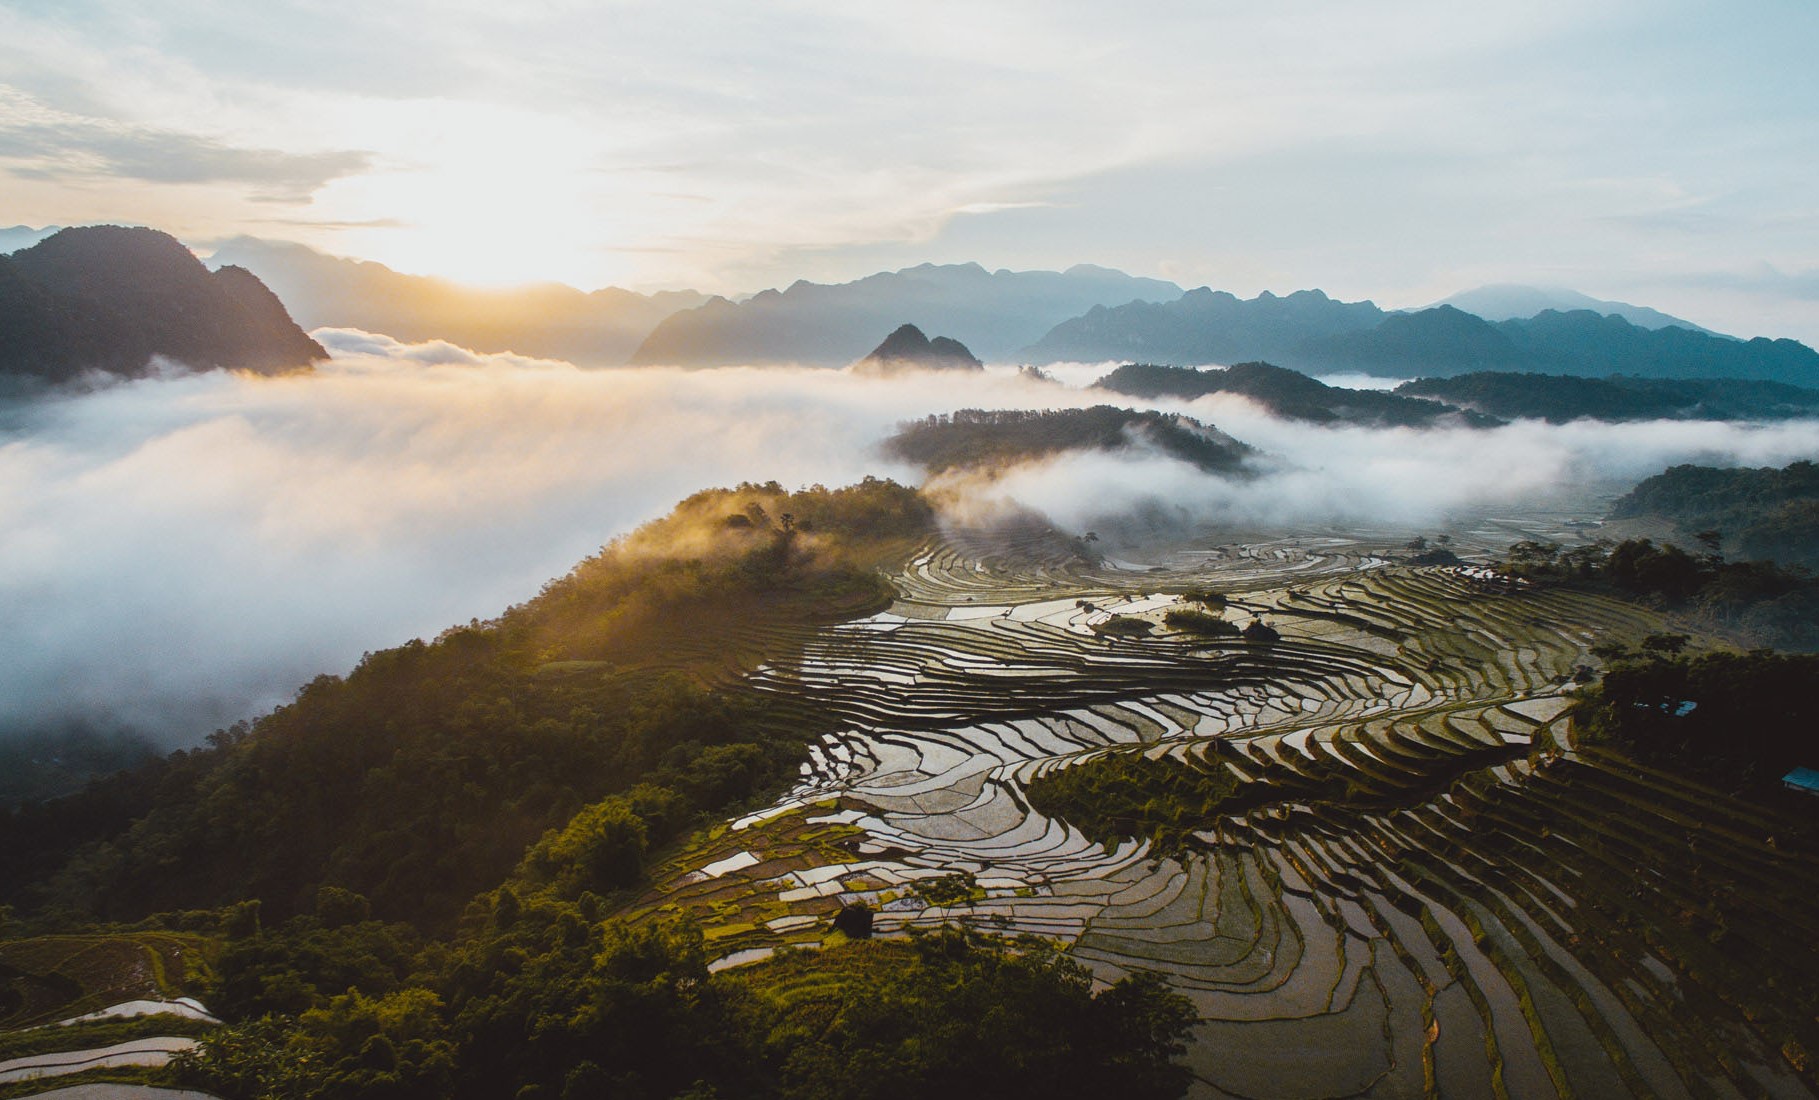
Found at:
(1292, 395)
(516, 774)
(420, 778)
(108, 298)
(985, 440)
(1561, 398)
(1760, 514)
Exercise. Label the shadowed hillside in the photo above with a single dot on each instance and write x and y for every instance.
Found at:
(1764, 514)
(108, 298)
(1307, 331)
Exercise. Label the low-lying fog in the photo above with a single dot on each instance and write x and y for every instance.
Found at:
(180, 552)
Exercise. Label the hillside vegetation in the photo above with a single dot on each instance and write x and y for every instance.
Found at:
(1291, 395)
(1560, 398)
(1755, 603)
(422, 776)
(1736, 720)
(415, 881)
(984, 439)
(546, 1000)
(1761, 513)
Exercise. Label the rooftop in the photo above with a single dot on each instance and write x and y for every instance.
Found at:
(1803, 779)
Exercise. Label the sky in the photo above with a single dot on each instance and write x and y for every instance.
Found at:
(1664, 152)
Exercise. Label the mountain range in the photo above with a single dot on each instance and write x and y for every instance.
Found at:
(110, 298)
(548, 320)
(994, 313)
(1309, 331)
(1083, 314)
(1512, 302)
(1203, 326)
(15, 237)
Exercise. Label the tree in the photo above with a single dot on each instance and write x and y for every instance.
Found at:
(601, 848)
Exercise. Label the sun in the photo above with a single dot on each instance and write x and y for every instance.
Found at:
(484, 226)
(491, 198)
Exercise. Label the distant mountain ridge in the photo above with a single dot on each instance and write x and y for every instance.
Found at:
(1203, 327)
(992, 312)
(548, 320)
(1514, 302)
(1086, 313)
(1308, 331)
(110, 298)
(15, 237)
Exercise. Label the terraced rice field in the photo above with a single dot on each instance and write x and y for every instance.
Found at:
(58, 993)
(1490, 911)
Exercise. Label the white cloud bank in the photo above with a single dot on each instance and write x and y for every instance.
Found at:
(178, 553)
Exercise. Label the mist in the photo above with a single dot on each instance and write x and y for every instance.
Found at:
(1401, 477)
(183, 551)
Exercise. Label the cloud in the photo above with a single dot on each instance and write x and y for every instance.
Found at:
(1376, 479)
(45, 143)
(181, 552)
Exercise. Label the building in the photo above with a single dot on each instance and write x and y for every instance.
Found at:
(1805, 780)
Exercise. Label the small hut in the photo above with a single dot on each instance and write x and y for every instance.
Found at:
(1804, 780)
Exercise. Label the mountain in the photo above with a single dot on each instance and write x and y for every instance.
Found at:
(1583, 343)
(1435, 341)
(1308, 331)
(1445, 341)
(1291, 395)
(548, 320)
(110, 298)
(985, 440)
(1561, 398)
(15, 237)
(908, 349)
(1512, 302)
(1203, 326)
(993, 312)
